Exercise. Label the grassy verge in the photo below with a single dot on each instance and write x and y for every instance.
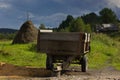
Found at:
(21, 54)
(116, 58)
(104, 52)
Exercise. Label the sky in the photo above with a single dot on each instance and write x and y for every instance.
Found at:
(13, 13)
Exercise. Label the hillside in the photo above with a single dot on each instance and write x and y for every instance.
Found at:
(7, 30)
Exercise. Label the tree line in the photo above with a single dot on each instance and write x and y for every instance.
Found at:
(87, 22)
(7, 36)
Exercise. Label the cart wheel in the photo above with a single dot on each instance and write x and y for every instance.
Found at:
(84, 64)
(49, 63)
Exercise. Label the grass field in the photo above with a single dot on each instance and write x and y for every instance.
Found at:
(21, 54)
(104, 52)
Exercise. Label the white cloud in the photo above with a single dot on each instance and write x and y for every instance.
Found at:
(52, 20)
(4, 5)
(114, 3)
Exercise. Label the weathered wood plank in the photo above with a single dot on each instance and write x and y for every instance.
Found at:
(61, 36)
(61, 43)
(58, 46)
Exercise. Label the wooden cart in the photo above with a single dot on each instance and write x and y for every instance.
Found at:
(64, 47)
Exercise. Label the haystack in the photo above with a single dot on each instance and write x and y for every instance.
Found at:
(26, 34)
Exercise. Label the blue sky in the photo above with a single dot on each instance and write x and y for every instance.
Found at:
(13, 13)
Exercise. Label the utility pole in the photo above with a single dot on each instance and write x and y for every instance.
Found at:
(28, 16)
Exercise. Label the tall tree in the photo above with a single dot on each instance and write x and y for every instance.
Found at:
(66, 23)
(79, 26)
(91, 18)
(108, 16)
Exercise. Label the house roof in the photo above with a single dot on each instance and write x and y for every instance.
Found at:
(107, 27)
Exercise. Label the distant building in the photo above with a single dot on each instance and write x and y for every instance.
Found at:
(106, 28)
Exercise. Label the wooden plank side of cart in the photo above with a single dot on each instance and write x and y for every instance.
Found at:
(61, 43)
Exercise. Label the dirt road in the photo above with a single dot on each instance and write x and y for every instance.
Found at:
(12, 72)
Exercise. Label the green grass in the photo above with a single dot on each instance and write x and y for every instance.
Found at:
(105, 51)
(115, 35)
(21, 54)
(116, 58)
